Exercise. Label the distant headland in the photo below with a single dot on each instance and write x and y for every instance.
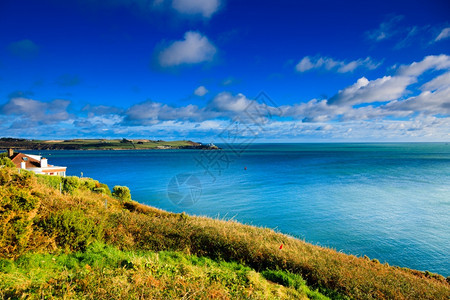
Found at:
(101, 144)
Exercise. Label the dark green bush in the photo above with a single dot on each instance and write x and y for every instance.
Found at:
(72, 229)
(122, 193)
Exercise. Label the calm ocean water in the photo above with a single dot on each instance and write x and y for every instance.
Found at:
(386, 201)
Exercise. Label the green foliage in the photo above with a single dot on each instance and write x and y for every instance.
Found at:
(284, 278)
(88, 183)
(122, 193)
(16, 211)
(51, 181)
(105, 187)
(70, 184)
(72, 229)
(291, 280)
(103, 271)
(99, 191)
(6, 162)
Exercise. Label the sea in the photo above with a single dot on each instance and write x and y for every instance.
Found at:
(389, 201)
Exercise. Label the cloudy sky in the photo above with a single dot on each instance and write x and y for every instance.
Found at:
(298, 71)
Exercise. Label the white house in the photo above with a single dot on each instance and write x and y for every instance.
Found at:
(35, 163)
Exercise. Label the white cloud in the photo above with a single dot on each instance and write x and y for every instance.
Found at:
(445, 33)
(36, 111)
(153, 112)
(437, 83)
(193, 49)
(437, 62)
(327, 63)
(206, 8)
(379, 90)
(390, 88)
(431, 103)
(305, 64)
(200, 91)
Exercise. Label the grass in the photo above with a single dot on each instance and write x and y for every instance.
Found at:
(96, 252)
(103, 271)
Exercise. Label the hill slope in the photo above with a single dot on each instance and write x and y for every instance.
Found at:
(71, 245)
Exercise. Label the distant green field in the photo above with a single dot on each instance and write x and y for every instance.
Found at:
(98, 144)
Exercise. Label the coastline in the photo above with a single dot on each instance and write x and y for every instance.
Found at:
(102, 144)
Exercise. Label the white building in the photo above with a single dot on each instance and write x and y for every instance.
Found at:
(35, 163)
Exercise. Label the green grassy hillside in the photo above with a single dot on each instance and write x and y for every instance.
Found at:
(71, 245)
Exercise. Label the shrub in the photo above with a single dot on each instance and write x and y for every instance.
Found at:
(99, 191)
(72, 229)
(70, 184)
(122, 193)
(105, 187)
(16, 210)
(51, 181)
(5, 161)
(88, 183)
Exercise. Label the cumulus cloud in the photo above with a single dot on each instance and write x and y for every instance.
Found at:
(37, 111)
(24, 49)
(444, 34)
(200, 91)
(308, 63)
(379, 90)
(206, 8)
(193, 49)
(390, 88)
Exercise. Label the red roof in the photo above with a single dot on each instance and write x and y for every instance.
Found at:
(17, 158)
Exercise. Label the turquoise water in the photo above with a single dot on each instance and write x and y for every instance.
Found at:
(386, 201)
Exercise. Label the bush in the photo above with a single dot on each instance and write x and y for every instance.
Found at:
(99, 191)
(88, 183)
(70, 184)
(5, 161)
(122, 193)
(72, 229)
(16, 210)
(106, 188)
(51, 181)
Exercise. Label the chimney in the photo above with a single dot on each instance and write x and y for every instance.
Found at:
(44, 163)
(23, 165)
(10, 152)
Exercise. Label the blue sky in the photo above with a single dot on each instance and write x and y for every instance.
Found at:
(186, 69)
